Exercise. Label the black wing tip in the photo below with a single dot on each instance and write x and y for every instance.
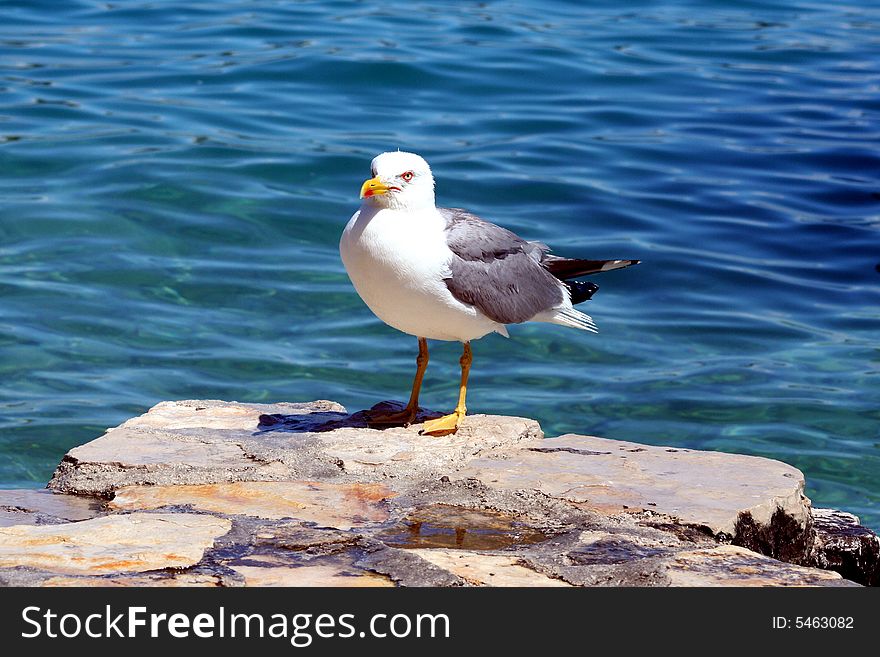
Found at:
(566, 269)
(581, 290)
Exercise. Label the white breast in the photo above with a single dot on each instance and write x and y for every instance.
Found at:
(397, 261)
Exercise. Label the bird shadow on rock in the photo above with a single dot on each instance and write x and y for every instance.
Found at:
(322, 421)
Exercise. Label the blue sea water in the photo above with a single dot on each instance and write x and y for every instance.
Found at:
(174, 177)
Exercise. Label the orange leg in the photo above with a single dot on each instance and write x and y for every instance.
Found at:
(448, 424)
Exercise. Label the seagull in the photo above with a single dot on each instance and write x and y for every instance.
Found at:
(445, 274)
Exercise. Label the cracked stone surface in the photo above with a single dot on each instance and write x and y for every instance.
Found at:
(44, 507)
(484, 569)
(730, 565)
(329, 504)
(710, 489)
(173, 580)
(333, 573)
(122, 543)
(209, 493)
(199, 442)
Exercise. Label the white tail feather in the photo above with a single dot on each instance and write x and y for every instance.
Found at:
(575, 319)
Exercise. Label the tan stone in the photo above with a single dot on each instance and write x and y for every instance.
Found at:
(134, 448)
(213, 414)
(122, 543)
(485, 569)
(201, 442)
(342, 506)
(41, 501)
(701, 488)
(365, 451)
(191, 441)
(313, 463)
(283, 569)
(173, 581)
(317, 575)
(729, 565)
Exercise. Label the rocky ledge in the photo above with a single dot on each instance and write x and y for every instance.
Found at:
(210, 493)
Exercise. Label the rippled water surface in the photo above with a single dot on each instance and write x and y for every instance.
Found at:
(175, 176)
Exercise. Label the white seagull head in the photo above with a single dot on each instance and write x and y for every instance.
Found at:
(401, 181)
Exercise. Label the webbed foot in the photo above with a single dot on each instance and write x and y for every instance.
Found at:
(443, 426)
(402, 418)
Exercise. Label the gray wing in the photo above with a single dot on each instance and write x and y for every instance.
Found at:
(497, 271)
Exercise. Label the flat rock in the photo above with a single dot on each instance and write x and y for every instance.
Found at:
(724, 565)
(329, 572)
(28, 506)
(296, 537)
(483, 569)
(134, 542)
(199, 442)
(637, 556)
(305, 576)
(170, 580)
(730, 565)
(707, 489)
(341, 506)
(210, 493)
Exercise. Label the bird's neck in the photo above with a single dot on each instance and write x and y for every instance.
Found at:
(384, 218)
(391, 202)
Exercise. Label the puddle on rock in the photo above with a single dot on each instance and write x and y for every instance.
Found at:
(443, 526)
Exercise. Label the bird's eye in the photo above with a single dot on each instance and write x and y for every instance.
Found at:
(407, 176)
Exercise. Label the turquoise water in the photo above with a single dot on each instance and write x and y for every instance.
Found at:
(175, 177)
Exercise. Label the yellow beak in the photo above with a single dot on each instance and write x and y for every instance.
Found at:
(372, 187)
